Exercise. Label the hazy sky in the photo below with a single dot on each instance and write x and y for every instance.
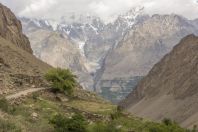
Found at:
(103, 8)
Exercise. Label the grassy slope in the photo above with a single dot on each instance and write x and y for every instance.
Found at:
(97, 111)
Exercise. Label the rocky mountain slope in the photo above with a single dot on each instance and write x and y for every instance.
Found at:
(57, 50)
(171, 88)
(18, 67)
(146, 44)
(143, 46)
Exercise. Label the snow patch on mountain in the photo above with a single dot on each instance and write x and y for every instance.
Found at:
(81, 45)
(36, 22)
(52, 23)
(130, 17)
(92, 67)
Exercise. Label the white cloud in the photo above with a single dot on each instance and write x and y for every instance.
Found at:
(104, 8)
(99, 7)
(187, 8)
(37, 6)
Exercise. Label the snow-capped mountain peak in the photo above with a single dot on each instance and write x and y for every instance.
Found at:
(40, 23)
(88, 31)
(130, 17)
(52, 23)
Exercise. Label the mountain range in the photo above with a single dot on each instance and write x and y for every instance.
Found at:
(109, 58)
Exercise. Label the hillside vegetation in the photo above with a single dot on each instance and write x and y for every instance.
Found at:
(81, 111)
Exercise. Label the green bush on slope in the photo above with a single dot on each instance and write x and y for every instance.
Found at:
(75, 124)
(61, 80)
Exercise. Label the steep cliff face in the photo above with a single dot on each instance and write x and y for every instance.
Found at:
(170, 90)
(11, 29)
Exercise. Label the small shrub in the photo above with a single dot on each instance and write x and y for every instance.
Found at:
(62, 80)
(76, 124)
(117, 114)
(35, 96)
(167, 121)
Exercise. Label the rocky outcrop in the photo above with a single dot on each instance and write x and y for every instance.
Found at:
(11, 29)
(170, 90)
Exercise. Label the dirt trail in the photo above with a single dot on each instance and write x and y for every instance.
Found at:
(24, 93)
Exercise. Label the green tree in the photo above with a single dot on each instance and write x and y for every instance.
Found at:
(61, 80)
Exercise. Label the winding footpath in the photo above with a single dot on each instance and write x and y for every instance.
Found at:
(24, 93)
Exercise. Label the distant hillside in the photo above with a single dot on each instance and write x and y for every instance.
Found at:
(171, 87)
